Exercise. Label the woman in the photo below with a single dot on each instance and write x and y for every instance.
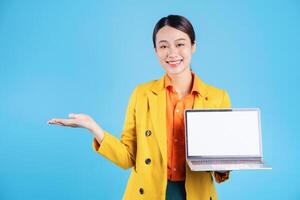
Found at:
(153, 138)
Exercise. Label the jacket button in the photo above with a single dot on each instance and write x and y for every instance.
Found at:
(148, 161)
(148, 133)
(141, 191)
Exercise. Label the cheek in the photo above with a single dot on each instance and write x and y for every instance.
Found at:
(161, 55)
(186, 53)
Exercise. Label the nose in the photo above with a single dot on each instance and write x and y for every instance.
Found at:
(173, 52)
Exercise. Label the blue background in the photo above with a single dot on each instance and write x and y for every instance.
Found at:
(58, 57)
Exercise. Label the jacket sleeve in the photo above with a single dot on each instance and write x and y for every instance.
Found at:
(223, 176)
(121, 152)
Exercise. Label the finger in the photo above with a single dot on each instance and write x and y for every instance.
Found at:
(52, 121)
(55, 123)
(72, 115)
(64, 122)
(58, 123)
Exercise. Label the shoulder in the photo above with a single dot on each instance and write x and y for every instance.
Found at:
(139, 94)
(207, 89)
(145, 87)
(214, 91)
(217, 97)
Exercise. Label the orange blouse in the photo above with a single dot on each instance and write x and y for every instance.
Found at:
(175, 129)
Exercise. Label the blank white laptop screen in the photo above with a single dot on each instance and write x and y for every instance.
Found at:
(223, 133)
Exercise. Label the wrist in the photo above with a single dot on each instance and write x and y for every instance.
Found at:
(97, 132)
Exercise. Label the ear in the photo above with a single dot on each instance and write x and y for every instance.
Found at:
(194, 46)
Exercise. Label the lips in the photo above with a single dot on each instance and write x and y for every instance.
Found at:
(174, 63)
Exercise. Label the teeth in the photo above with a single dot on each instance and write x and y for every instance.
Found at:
(174, 62)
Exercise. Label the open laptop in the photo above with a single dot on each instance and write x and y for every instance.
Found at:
(224, 139)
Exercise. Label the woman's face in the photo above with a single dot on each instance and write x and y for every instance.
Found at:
(174, 50)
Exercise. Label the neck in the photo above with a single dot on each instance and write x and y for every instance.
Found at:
(182, 82)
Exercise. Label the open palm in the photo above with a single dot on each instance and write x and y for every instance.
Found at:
(75, 120)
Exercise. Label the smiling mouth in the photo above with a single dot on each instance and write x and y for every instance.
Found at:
(174, 63)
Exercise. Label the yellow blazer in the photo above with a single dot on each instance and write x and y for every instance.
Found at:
(143, 143)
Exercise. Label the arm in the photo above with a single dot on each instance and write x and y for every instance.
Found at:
(121, 152)
(221, 176)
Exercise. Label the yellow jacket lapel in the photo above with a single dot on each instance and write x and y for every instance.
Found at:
(200, 99)
(157, 104)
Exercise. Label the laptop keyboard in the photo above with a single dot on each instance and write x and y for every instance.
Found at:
(222, 162)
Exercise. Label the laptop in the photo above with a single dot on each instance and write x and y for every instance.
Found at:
(224, 139)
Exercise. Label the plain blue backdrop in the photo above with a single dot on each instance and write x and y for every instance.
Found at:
(58, 57)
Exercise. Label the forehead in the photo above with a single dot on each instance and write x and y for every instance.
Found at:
(170, 34)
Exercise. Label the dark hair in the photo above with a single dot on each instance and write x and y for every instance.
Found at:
(175, 21)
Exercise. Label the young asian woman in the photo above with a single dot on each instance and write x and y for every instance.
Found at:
(153, 139)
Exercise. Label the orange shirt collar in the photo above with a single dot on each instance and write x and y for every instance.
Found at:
(168, 83)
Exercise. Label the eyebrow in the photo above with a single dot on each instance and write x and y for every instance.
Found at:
(180, 39)
(161, 41)
(167, 41)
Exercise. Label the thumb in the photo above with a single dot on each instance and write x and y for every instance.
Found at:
(72, 115)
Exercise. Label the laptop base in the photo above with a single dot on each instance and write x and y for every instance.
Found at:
(227, 167)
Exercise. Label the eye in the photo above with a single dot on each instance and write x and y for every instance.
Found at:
(180, 44)
(163, 46)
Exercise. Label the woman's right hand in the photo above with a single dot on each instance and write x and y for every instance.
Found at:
(80, 121)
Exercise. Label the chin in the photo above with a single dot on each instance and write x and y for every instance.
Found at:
(176, 70)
